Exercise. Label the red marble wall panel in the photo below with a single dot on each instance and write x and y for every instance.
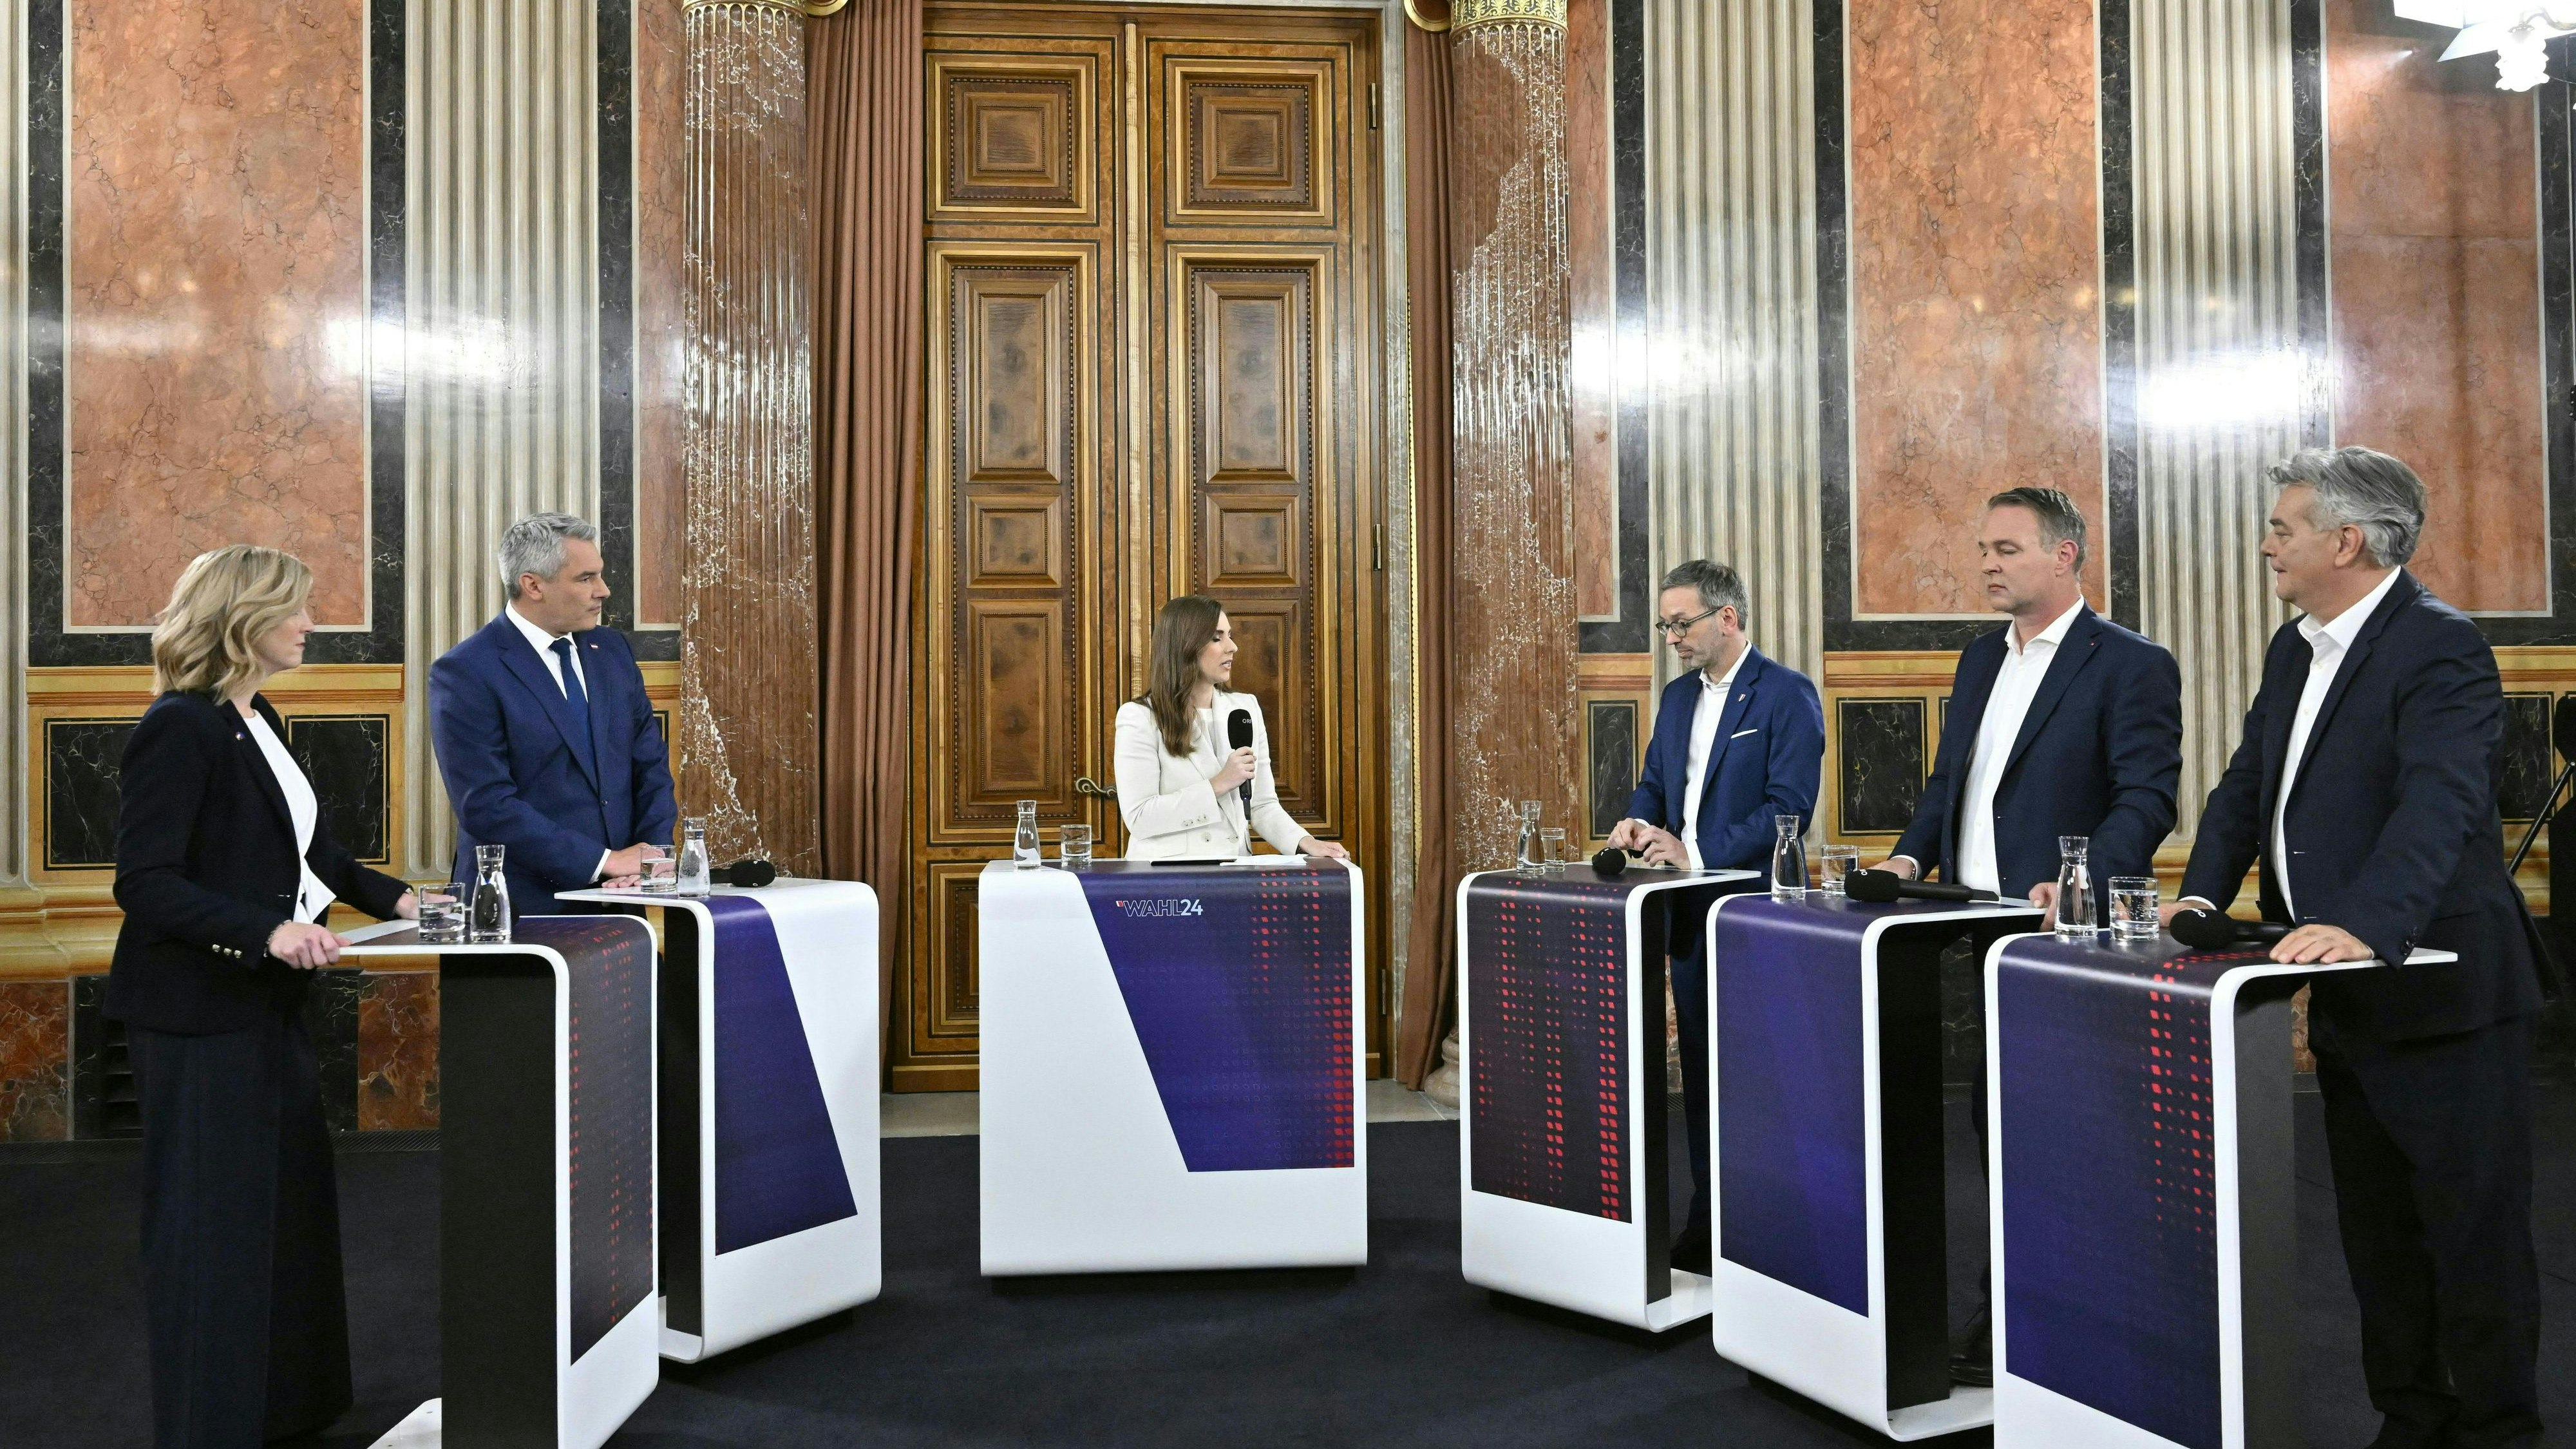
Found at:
(35, 1061)
(1976, 260)
(217, 296)
(661, 343)
(1592, 297)
(397, 1050)
(2433, 252)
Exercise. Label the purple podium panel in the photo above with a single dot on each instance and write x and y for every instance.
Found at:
(2142, 1165)
(1171, 1066)
(1562, 1134)
(1825, 1085)
(547, 1099)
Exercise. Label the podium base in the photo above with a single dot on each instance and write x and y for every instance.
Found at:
(682, 1347)
(418, 1430)
(1966, 1408)
(1688, 1303)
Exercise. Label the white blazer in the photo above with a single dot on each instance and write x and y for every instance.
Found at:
(1167, 803)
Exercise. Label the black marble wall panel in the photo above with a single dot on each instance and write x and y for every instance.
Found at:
(1611, 729)
(103, 1102)
(344, 757)
(331, 1020)
(1882, 763)
(1628, 635)
(2529, 769)
(84, 759)
(616, 85)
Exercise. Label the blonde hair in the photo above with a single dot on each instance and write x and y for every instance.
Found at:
(226, 601)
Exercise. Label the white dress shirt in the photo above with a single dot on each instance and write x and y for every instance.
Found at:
(2327, 645)
(1705, 719)
(544, 643)
(2016, 684)
(312, 897)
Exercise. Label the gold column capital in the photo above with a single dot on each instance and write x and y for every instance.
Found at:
(815, 10)
(1465, 15)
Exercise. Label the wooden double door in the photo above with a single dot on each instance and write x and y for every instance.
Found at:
(1156, 367)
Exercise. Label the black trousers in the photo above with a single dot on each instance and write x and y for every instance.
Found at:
(241, 1238)
(2431, 1142)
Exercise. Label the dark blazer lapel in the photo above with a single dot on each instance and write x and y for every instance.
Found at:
(521, 660)
(255, 759)
(2073, 652)
(1738, 696)
(2399, 595)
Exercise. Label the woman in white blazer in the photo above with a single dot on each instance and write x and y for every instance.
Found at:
(1178, 785)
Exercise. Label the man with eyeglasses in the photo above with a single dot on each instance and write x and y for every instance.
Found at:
(1739, 739)
(2060, 723)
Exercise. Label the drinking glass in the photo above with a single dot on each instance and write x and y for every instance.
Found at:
(695, 874)
(1075, 849)
(488, 913)
(1839, 861)
(442, 913)
(1789, 859)
(2133, 908)
(1026, 853)
(2074, 887)
(1551, 851)
(660, 876)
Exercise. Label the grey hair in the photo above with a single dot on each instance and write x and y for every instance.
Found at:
(2362, 487)
(2059, 519)
(535, 545)
(1719, 587)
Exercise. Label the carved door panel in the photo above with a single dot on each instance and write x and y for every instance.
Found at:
(1152, 325)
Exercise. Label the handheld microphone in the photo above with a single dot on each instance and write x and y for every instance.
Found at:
(2204, 930)
(1611, 861)
(745, 873)
(1878, 887)
(1238, 736)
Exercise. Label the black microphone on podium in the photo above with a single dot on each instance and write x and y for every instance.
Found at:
(2207, 930)
(748, 873)
(1238, 736)
(1878, 887)
(1610, 860)
(2562, 734)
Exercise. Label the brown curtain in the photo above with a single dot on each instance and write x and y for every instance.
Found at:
(863, 120)
(1431, 956)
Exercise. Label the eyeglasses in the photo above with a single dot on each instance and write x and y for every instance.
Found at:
(1676, 628)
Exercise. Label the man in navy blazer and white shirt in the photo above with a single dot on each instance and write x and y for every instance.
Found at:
(2061, 723)
(544, 735)
(1739, 739)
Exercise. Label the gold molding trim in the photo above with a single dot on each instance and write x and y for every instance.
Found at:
(1466, 15)
(1414, 15)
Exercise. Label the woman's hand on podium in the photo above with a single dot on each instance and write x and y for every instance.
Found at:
(1331, 849)
(1236, 769)
(300, 944)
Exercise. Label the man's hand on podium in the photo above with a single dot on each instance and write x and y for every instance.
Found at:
(1659, 847)
(2043, 894)
(2319, 943)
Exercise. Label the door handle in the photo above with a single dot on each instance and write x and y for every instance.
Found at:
(1085, 785)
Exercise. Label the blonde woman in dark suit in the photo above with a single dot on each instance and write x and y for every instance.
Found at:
(224, 867)
(1179, 786)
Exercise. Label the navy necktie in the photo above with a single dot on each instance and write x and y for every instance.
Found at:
(574, 694)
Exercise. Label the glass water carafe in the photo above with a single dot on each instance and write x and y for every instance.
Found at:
(1527, 850)
(2074, 886)
(487, 918)
(1026, 852)
(1789, 859)
(695, 874)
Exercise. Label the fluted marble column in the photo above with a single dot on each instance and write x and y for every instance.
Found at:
(749, 751)
(1515, 629)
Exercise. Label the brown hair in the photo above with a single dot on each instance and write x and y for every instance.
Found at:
(226, 601)
(1183, 629)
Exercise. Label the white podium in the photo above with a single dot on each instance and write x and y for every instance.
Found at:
(549, 1325)
(2144, 1179)
(770, 1208)
(1171, 1066)
(1562, 1138)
